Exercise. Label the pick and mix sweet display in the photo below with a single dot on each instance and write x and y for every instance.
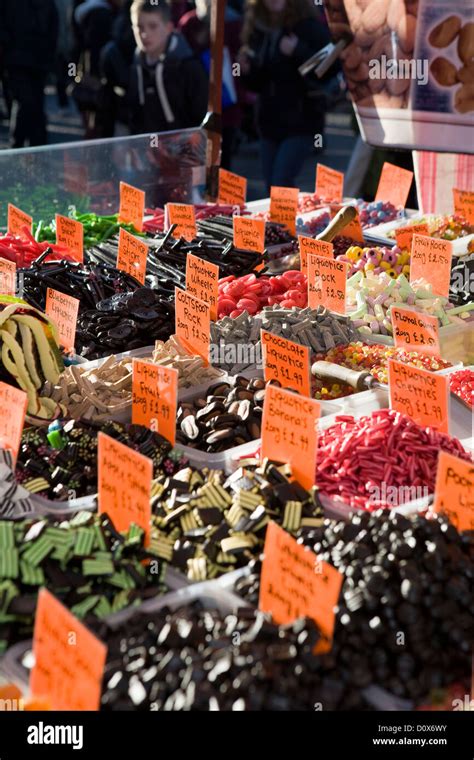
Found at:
(251, 430)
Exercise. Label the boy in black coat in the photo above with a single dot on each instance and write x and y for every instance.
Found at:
(168, 86)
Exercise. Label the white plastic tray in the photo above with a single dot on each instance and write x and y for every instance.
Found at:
(379, 234)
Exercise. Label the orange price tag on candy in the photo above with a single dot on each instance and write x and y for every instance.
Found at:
(289, 432)
(132, 255)
(193, 323)
(287, 362)
(404, 235)
(69, 659)
(182, 214)
(430, 260)
(63, 311)
(7, 277)
(70, 233)
(394, 185)
(420, 394)
(329, 183)
(132, 206)
(415, 331)
(202, 280)
(155, 398)
(327, 283)
(124, 485)
(249, 233)
(283, 206)
(464, 204)
(232, 188)
(454, 490)
(353, 230)
(309, 245)
(295, 583)
(13, 406)
(16, 220)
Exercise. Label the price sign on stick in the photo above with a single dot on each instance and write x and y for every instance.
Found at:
(193, 323)
(327, 283)
(308, 245)
(13, 405)
(415, 331)
(287, 362)
(249, 233)
(329, 183)
(202, 280)
(232, 188)
(7, 277)
(394, 185)
(431, 261)
(70, 233)
(17, 220)
(295, 583)
(69, 659)
(63, 311)
(283, 206)
(124, 484)
(155, 398)
(420, 394)
(454, 490)
(132, 205)
(182, 214)
(132, 255)
(289, 432)
(464, 204)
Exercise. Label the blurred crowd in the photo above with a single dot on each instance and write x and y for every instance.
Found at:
(142, 66)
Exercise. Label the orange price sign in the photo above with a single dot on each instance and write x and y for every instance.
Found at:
(329, 183)
(353, 230)
(415, 331)
(394, 185)
(132, 255)
(464, 204)
(202, 280)
(283, 206)
(182, 214)
(7, 277)
(13, 405)
(287, 362)
(63, 311)
(249, 233)
(132, 206)
(124, 485)
(454, 490)
(327, 283)
(404, 235)
(69, 659)
(232, 188)
(17, 220)
(193, 323)
(295, 583)
(70, 233)
(289, 432)
(430, 260)
(155, 398)
(308, 245)
(420, 394)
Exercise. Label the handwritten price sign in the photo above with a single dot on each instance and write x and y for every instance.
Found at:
(155, 398)
(412, 330)
(420, 394)
(202, 280)
(327, 283)
(13, 405)
(283, 206)
(193, 323)
(287, 362)
(454, 490)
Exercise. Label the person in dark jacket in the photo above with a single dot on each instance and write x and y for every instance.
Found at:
(278, 36)
(168, 86)
(28, 34)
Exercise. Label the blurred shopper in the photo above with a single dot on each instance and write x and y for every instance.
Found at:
(28, 34)
(195, 26)
(168, 86)
(278, 36)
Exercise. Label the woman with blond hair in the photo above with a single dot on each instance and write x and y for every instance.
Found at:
(278, 36)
